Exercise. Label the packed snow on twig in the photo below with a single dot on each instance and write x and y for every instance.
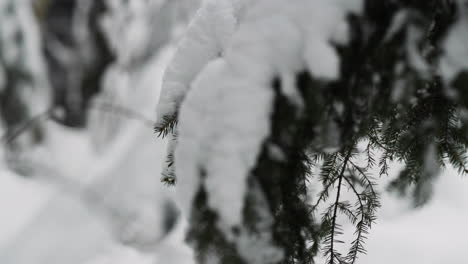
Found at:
(219, 83)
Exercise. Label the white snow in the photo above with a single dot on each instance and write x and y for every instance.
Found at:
(96, 206)
(224, 152)
(220, 84)
(221, 76)
(204, 40)
(97, 201)
(456, 53)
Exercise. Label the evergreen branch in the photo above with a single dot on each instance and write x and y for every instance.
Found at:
(328, 177)
(383, 163)
(376, 141)
(324, 194)
(169, 178)
(335, 212)
(457, 157)
(370, 184)
(316, 157)
(370, 156)
(357, 243)
(329, 169)
(344, 207)
(167, 126)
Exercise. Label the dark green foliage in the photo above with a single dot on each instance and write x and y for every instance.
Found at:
(208, 240)
(169, 177)
(167, 127)
(401, 127)
(284, 180)
(338, 170)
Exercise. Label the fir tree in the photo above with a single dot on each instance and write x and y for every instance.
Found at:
(270, 97)
(393, 93)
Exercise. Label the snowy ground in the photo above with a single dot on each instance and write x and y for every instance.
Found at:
(434, 234)
(43, 223)
(88, 201)
(40, 224)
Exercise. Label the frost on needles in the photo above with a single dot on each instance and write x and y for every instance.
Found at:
(260, 92)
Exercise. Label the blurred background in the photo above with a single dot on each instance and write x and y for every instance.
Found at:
(79, 174)
(80, 164)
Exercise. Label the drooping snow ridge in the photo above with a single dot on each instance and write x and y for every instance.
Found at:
(219, 83)
(236, 112)
(205, 39)
(209, 34)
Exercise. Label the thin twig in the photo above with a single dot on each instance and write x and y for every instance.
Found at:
(122, 111)
(362, 216)
(323, 194)
(9, 137)
(369, 182)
